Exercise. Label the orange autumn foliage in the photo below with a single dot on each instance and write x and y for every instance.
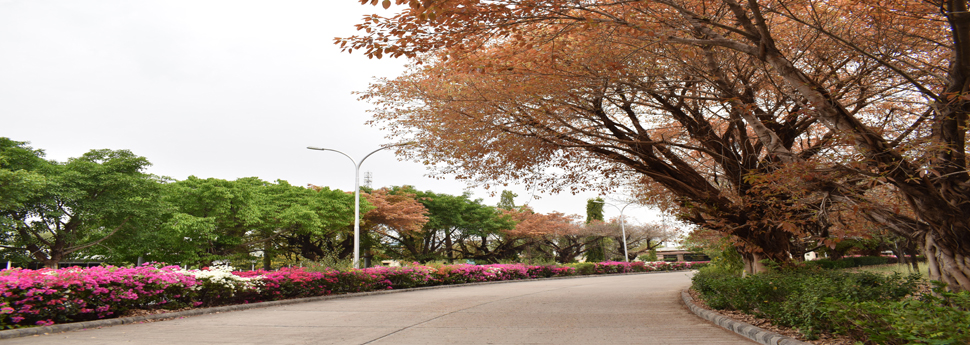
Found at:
(876, 89)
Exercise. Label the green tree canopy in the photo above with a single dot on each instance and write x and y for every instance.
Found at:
(507, 200)
(68, 207)
(216, 219)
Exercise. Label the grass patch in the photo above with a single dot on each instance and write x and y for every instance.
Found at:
(924, 269)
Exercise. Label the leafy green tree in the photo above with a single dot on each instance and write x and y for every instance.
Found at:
(20, 179)
(216, 219)
(316, 222)
(20, 182)
(446, 219)
(507, 200)
(457, 227)
(594, 210)
(484, 235)
(51, 211)
(595, 249)
(213, 219)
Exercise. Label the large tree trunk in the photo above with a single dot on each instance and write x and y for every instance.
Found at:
(938, 189)
(764, 242)
(948, 262)
(947, 245)
(49, 261)
(753, 264)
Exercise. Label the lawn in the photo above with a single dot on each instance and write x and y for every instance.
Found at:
(893, 268)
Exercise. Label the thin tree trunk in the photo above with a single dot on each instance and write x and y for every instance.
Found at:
(268, 256)
(913, 252)
(448, 254)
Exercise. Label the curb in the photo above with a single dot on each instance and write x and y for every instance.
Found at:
(78, 326)
(751, 332)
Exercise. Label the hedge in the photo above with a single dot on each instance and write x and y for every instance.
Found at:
(49, 296)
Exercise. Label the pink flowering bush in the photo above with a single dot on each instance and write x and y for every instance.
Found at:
(289, 282)
(610, 267)
(465, 273)
(550, 271)
(405, 277)
(360, 280)
(47, 296)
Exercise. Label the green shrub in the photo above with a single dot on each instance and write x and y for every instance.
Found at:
(931, 319)
(699, 265)
(650, 256)
(723, 255)
(870, 261)
(848, 262)
(798, 298)
(829, 264)
(717, 287)
(584, 268)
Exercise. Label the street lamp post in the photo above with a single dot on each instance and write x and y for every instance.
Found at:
(356, 194)
(626, 255)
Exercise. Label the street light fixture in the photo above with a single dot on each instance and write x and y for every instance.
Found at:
(357, 193)
(626, 255)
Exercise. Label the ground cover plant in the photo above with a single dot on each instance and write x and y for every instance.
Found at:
(849, 262)
(49, 296)
(923, 269)
(869, 307)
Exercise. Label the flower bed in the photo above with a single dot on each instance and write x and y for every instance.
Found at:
(45, 297)
(608, 267)
(48, 296)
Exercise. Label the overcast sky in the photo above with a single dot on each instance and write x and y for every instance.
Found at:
(223, 89)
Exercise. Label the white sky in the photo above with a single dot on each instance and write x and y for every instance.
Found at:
(223, 89)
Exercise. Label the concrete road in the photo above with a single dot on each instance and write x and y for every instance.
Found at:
(626, 309)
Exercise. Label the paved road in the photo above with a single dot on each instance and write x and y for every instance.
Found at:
(627, 309)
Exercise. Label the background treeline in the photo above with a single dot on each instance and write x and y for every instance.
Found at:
(104, 207)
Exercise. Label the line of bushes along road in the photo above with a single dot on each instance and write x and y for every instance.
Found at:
(49, 296)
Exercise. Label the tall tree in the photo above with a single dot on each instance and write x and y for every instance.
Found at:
(311, 222)
(396, 214)
(641, 238)
(68, 207)
(216, 219)
(887, 85)
(597, 114)
(21, 183)
(594, 210)
(20, 173)
(553, 236)
(507, 200)
(596, 247)
(457, 227)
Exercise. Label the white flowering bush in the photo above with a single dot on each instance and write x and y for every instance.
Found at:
(217, 284)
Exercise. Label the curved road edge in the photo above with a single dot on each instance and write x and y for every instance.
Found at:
(77, 326)
(744, 329)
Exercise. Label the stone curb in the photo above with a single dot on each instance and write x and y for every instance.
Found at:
(751, 332)
(77, 326)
